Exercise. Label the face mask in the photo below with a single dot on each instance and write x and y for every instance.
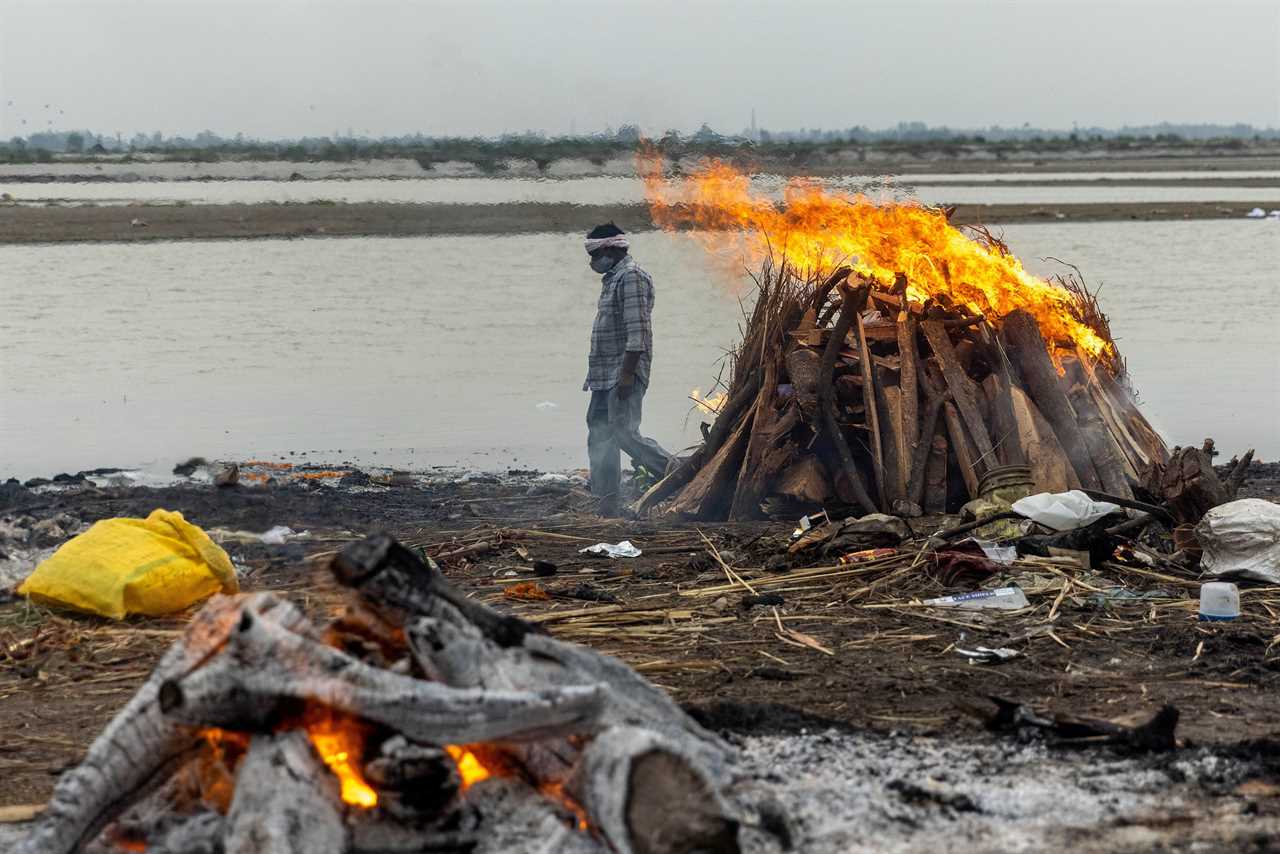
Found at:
(602, 263)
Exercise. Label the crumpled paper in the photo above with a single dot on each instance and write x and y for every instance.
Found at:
(622, 549)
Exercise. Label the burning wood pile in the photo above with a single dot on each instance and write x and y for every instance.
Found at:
(897, 383)
(416, 720)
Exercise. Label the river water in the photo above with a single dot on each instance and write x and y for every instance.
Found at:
(471, 350)
(604, 191)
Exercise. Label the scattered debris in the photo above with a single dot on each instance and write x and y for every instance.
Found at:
(1064, 511)
(622, 549)
(1155, 735)
(988, 655)
(1001, 599)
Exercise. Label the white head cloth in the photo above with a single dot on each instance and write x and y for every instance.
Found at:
(618, 241)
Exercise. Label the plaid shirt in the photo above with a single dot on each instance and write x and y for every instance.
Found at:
(624, 323)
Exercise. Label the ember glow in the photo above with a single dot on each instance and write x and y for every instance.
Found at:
(818, 230)
(216, 766)
(340, 741)
(712, 403)
(470, 768)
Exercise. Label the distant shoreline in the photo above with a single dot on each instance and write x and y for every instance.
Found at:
(909, 167)
(21, 224)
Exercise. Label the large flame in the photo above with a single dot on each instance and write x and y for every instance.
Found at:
(815, 230)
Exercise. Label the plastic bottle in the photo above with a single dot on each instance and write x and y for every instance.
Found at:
(1219, 600)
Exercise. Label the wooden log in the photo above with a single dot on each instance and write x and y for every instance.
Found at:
(870, 396)
(136, 752)
(286, 801)
(767, 433)
(456, 649)
(893, 440)
(937, 396)
(707, 496)
(1108, 460)
(999, 391)
(966, 454)
(851, 305)
(1190, 486)
(1137, 457)
(274, 658)
(415, 782)
(823, 291)
(802, 366)
(1050, 468)
(962, 392)
(1027, 349)
(1122, 402)
(195, 834)
(1236, 478)
(806, 481)
(935, 489)
(723, 428)
(907, 382)
(645, 797)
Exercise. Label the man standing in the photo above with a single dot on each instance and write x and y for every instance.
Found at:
(618, 367)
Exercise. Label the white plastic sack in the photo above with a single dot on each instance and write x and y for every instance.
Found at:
(1063, 511)
(1242, 538)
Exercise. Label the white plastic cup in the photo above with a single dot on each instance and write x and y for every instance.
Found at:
(1219, 600)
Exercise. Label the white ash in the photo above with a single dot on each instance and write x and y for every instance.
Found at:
(901, 793)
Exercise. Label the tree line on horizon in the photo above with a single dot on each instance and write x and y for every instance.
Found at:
(544, 149)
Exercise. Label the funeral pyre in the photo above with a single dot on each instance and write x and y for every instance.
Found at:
(892, 361)
(417, 719)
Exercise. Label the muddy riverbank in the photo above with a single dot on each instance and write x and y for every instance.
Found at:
(60, 224)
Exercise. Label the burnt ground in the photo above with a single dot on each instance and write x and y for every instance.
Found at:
(846, 647)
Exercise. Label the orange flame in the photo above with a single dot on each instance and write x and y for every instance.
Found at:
(470, 768)
(339, 740)
(712, 403)
(817, 230)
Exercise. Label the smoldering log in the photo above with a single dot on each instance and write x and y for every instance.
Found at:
(646, 798)
(137, 751)
(271, 659)
(637, 719)
(1104, 451)
(286, 801)
(456, 649)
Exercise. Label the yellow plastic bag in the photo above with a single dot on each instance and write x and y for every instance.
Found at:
(151, 566)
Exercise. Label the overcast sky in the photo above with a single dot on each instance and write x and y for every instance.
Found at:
(274, 68)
